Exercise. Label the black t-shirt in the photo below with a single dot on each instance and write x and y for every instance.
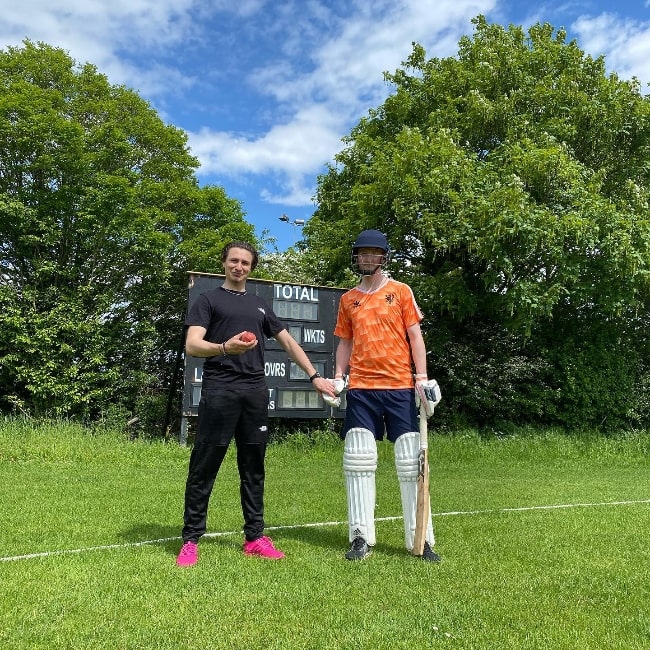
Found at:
(225, 313)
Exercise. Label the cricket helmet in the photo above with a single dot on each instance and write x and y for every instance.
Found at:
(369, 239)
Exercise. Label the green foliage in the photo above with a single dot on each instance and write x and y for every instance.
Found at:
(149, 422)
(217, 221)
(490, 377)
(304, 434)
(101, 217)
(513, 184)
(600, 379)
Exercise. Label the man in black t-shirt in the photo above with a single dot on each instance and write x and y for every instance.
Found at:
(227, 327)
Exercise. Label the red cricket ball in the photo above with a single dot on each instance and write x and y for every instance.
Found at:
(248, 337)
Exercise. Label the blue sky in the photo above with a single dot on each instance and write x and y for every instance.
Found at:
(266, 89)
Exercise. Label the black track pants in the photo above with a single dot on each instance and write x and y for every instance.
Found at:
(222, 415)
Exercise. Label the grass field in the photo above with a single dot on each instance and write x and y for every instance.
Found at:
(544, 541)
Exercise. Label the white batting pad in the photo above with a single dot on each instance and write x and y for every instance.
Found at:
(407, 447)
(359, 466)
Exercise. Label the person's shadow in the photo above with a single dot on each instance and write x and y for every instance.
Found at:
(330, 537)
(169, 537)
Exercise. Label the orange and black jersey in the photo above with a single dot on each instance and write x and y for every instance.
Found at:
(377, 324)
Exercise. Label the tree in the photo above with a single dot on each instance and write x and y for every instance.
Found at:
(99, 212)
(512, 181)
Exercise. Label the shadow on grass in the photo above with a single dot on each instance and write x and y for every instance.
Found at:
(169, 537)
(324, 536)
(333, 538)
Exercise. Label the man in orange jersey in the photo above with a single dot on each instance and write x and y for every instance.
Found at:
(378, 326)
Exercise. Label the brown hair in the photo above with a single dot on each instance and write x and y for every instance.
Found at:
(240, 244)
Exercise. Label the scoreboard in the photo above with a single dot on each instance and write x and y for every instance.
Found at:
(309, 314)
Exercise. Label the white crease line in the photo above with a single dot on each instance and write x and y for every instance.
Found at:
(107, 547)
(551, 507)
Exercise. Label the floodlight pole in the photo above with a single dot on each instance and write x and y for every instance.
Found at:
(294, 223)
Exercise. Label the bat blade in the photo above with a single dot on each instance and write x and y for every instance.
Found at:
(422, 507)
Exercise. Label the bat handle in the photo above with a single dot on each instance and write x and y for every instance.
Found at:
(424, 437)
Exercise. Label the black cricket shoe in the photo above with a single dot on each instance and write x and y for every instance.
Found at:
(359, 549)
(429, 555)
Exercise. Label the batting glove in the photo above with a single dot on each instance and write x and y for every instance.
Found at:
(332, 401)
(428, 394)
(339, 386)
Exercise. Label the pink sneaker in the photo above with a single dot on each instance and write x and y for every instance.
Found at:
(189, 554)
(264, 548)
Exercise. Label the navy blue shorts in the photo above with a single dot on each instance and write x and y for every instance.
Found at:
(383, 412)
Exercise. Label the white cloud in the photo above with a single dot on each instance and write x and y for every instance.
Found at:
(343, 79)
(285, 146)
(624, 42)
(102, 32)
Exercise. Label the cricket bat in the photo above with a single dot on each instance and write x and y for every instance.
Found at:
(422, 503)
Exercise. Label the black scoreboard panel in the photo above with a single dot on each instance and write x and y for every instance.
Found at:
(309, 314)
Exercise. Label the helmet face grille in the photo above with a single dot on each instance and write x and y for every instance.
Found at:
(371, 271)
